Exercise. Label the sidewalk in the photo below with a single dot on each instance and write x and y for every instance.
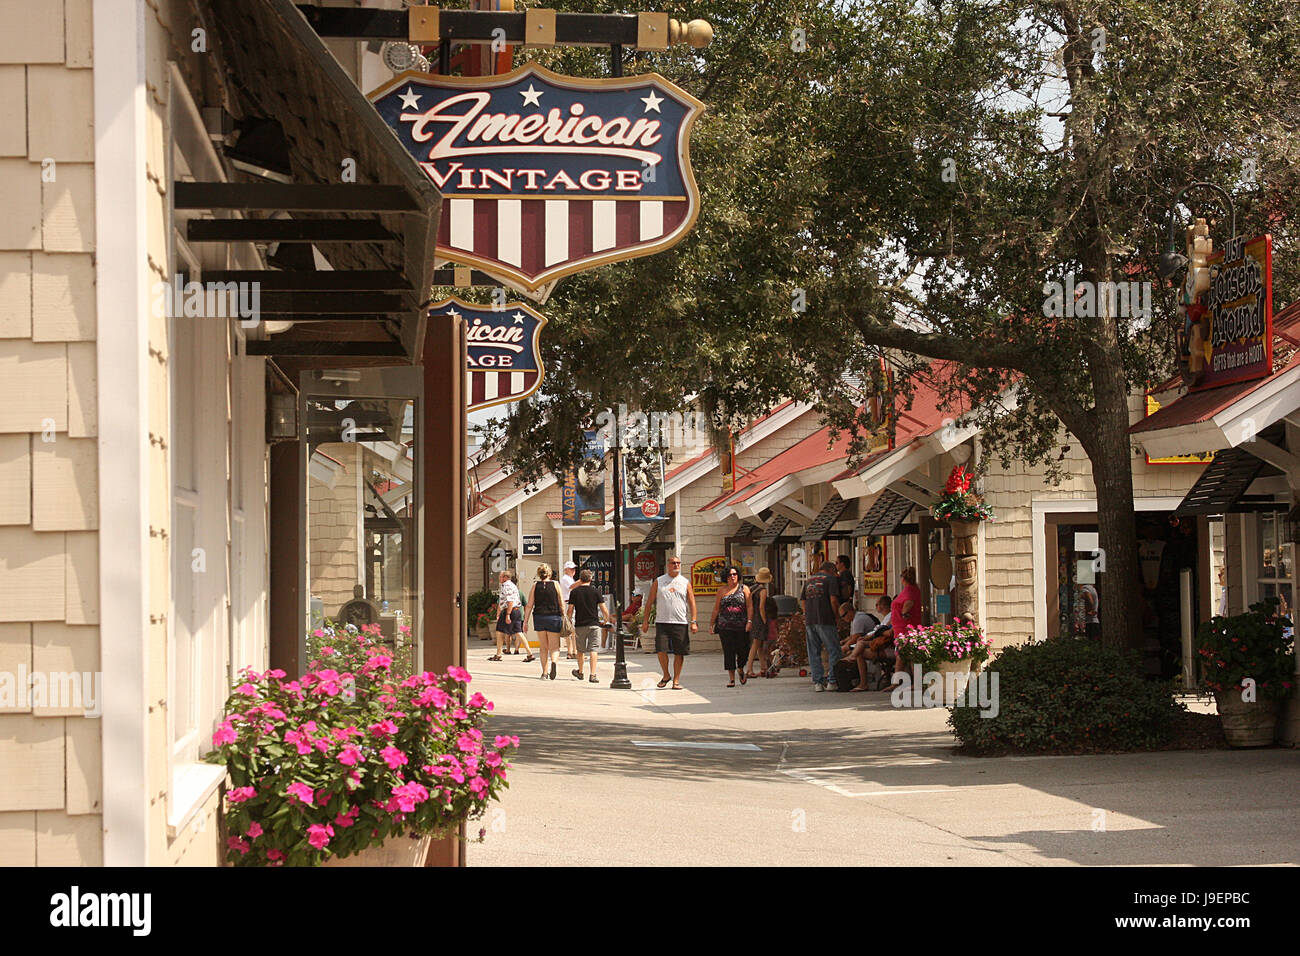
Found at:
(773, 773)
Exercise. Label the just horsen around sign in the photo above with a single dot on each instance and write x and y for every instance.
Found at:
(544, 175)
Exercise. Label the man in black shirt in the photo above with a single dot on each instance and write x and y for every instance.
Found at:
(588, 615)
(847, 584)
(820, 603)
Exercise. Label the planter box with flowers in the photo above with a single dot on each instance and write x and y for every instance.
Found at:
(1255, 647)
(945, 648)
(354, 757)
(959, 503)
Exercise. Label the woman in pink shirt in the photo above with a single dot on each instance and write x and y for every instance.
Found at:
(905, 611)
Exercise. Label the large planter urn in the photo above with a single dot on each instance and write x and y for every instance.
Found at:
(484, 633)
(1246, 723)
(962, 671)
(398, 851)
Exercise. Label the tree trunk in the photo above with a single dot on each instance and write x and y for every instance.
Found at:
(1109, 450)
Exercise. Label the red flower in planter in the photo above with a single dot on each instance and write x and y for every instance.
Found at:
(958, 481)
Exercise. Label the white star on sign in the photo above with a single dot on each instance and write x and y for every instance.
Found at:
(519, 318)
(532, 96)
(452, 314)
(410, 100)
(651, 102)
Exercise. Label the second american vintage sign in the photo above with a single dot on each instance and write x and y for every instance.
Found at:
(545, 175)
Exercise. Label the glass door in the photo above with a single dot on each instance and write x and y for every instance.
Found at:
(364, 502)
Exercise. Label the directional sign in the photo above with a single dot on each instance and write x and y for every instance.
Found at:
(532, 545)
(545, 175)
(504, 363)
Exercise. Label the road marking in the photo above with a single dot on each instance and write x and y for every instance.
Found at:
(693, 746)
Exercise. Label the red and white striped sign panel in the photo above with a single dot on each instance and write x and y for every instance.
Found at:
(545, 175)
(504, 362)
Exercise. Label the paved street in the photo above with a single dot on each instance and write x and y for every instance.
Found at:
(772, 773)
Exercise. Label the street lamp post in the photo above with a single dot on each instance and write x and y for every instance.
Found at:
(620, 681)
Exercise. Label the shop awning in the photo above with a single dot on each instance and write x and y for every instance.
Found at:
(820, 528)
(885, 516)
(657, 531)
(748, 529)
(300, 116)
(775, 528)
(1221, 488)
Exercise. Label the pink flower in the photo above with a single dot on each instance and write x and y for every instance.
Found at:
(247, 690)
(275, 856)
(275, 672)
(434, 696)
(493, 760)
(240, 794)
(385, 728)
(347, 819)
(225, 735)
(506, 741)
(479, 786)
(302, 792)
(237, 843)
(478, 700)
(408, 795)
(459, 674)
(393, 757)
(349, 755)
(255, 830)
(379, 662)
(466, 744)
(319, 834)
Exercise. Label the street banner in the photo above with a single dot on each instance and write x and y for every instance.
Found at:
(582, 497)
(643, 492)
(544, 175)
(504, 361)
(727, 464)
(706, 575)
(1239, 311)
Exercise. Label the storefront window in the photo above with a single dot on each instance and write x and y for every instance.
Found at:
(1276, 561)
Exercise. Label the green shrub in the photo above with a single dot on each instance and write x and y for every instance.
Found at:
(1069, 696)
(478, 603)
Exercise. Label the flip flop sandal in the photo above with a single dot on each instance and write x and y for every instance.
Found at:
(664, 683)
(744, 679)
(732, 684)
(678, 687)
(495, 657)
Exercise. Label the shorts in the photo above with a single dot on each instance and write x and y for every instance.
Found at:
(673, 639)
(552, 623)
(588, 638)
(513, 623)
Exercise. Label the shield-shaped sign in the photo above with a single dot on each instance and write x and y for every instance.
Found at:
(504, 361)
(545, 175)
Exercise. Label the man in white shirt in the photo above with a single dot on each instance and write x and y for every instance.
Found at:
(674, 603)
(510, 620)
(567, 580)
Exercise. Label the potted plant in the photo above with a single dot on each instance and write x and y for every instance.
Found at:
(1248, 662)
(948, 649)
(353, 763)
(962, 507)
(479, 609)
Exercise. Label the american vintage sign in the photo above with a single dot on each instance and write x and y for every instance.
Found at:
(545, 175)
(1239, 345)
(504, 361)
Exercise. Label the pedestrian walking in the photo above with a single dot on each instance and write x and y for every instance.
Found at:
(732, 620)
(546, 612)
(510, 619)
(567, 580)
(674, 602)
(820, 604)
(762, 630)
(588, 614)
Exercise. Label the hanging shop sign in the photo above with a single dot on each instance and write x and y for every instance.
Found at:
(1195, 458)
(545, 175)
(643, 492)
(504, 361)
(601, 565)
(727, 464)
(875, 565)
(582, 496)
(1232, 321)
(706, 575)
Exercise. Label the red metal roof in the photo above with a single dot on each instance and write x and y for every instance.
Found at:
(709, 451)
(1196, 407)
(926, 415)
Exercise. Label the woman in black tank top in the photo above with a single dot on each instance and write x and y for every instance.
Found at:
(548, 618)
